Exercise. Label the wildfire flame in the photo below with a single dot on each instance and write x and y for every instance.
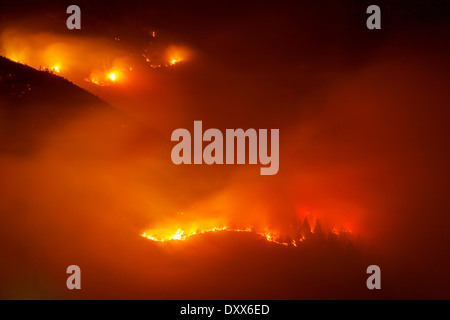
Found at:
(181, 235)
(103, 64)
(49, 69)
(106, 78)
(175, 61)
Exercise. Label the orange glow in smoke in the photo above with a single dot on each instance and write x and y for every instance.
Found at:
(177, 54)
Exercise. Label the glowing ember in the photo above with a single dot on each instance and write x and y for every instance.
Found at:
(112, 76)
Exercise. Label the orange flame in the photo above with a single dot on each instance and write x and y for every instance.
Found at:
(181, 235)
(112, 76)
(175, 61)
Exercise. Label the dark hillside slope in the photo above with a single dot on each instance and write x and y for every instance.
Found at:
(32, 103)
